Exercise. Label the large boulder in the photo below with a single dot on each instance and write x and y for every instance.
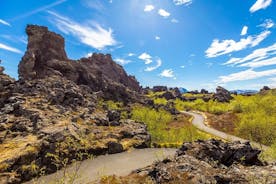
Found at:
(222, 153)
(222, 95)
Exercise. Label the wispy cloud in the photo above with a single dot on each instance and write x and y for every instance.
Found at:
(260, 4)
(151, 68)
(146, 58)
(91, 35)
(40, 9)
(268, 23)
(174, 20)
(182, 2)
(130, 54)
(246, 75)
(182, 66)
(15, 39)
(122, 61)
(218, 48)
(157, 38)
(244, 30)
(94, 4)
(261, 63)
(4, 22)
(148, 8)
(167, 73)
(163, 13)
(256, 55)
(9, 48)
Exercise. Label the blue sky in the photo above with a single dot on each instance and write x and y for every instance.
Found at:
(186, 43)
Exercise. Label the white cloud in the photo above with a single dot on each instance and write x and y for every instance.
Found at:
(91, 35)
(260, 4)
(246, 75)
(94, 4)
(4, 22)
(182, 66)
(218, 48)
(268, 23)
(40, 9)
(89, 54)
(163, 13)
(151, 68)
(167, 73)
(261, 63)
(182, 2)
(130, 54)
(8, 48)
(256, 55)
(157, 38)
(146, 58)
(174, 20)
(244, 30)
(122, 61)
(148, 8)
(15, 39)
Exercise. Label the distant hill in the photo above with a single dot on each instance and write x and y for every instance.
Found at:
(183, 90)
(242, 92)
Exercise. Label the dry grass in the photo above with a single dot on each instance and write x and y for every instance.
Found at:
(11, 149)
(225, 122)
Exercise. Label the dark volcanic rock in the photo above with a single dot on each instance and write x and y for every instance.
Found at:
(223, 153)
(45, 57)
(159, 88)
(210, 161)
(168, 95)
(203, 91)
(265, 88)
(222, 95)
(113, 115)
(114, 147)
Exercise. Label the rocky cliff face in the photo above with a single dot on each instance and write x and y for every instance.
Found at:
(45, 57)
(54, 110)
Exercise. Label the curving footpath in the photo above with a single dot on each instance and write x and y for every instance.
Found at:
(122, 164)
(198, 121)
(119, 164)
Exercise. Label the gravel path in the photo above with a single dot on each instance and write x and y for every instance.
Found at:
(199, 120)
(119, 164)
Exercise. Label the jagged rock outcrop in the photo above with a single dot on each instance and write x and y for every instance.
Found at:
(222, 95)
(45, 57)
(210, 161)
(53, 109)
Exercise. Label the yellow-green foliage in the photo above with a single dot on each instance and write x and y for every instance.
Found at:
(160, 101)
(160, 132)
(256, 114)
(211, 106)
(152, 94)
(112, 105)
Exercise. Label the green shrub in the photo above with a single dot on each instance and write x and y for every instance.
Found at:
(161, 133)
(256, 114)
